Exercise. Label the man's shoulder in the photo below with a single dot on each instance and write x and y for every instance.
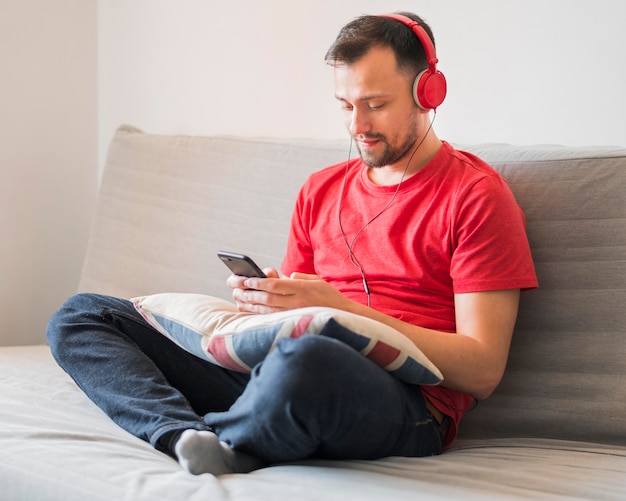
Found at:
(467, 165)
(339, 169)
(333, 173)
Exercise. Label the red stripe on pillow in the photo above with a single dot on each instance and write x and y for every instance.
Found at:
(383, 354)
(301, 327)
(219, 348)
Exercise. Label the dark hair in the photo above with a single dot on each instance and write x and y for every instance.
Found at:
(366, 32)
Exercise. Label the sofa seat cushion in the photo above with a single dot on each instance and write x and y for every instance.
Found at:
(56, 445)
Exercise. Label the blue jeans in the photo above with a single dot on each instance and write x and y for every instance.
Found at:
(311, 397)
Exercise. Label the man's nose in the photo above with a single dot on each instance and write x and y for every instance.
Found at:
(359, 123)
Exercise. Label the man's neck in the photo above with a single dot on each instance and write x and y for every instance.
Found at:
(394, 174)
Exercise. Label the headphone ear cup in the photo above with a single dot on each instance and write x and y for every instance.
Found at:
(429, 89)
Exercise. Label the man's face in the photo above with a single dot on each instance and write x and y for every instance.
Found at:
(378, 107)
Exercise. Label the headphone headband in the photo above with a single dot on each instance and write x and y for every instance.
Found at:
(429, 88)
(421, 34)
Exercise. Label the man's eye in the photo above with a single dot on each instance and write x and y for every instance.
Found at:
(375, 107)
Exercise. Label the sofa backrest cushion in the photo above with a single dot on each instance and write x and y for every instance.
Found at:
(167, 204)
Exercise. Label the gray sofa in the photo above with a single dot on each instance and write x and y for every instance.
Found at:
(555, 428)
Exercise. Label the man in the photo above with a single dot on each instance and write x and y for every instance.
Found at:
(421, 237)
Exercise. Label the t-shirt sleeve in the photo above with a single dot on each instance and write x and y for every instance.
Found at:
(299, 254)
(491, 249)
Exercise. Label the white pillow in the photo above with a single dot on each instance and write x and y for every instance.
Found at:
(213, 329)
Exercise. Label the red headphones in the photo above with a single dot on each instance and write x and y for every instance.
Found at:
(429, 87)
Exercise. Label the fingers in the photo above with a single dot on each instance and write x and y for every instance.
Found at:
(256, 301)
(271, 272)
(267, 295)
(238, 281)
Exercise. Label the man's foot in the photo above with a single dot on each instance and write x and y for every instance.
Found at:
(200, 451)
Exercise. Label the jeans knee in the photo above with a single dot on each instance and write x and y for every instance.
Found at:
(308, 355)
(80, 309)
(311, 368)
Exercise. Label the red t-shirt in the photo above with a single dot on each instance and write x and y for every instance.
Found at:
(454, 227)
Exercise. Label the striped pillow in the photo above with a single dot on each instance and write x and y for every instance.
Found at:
(213, 329)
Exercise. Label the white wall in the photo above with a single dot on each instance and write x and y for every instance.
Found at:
(531, 71)
(48, 160)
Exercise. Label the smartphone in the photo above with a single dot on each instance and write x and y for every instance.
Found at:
(241, 264)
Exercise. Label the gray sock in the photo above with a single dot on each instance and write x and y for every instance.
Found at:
(200, 451)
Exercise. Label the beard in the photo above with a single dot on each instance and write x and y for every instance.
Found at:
(391, 154)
